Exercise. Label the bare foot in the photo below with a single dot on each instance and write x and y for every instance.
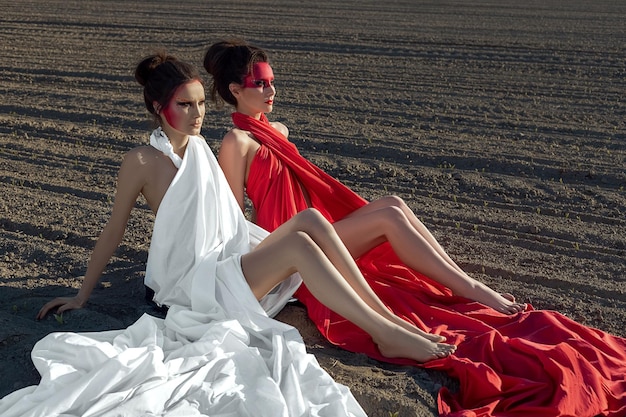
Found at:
(518, 307)
(401, 343)
(504, 303)
(413, 329)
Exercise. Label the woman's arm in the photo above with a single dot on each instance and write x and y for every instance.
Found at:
(129, 184)
(235, 152)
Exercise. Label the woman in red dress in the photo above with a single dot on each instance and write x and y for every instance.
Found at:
(528, 362)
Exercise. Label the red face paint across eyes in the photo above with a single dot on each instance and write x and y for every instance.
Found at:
(262, 76)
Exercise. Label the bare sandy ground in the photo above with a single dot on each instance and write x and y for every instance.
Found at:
(502, 123)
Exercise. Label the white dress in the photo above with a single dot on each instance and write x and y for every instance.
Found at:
(217, 352)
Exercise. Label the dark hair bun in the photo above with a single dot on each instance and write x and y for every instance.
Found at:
(147, 66)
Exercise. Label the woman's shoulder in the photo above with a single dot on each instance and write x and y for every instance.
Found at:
(281, 128)
(236, 134)
(143, 157)
(239, 139)
(141, 151)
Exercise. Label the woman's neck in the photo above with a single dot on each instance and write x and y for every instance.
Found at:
(254, 115)
(178, 140)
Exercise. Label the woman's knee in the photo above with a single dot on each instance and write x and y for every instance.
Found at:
(311, 220)
(393, 217)
(394, 201)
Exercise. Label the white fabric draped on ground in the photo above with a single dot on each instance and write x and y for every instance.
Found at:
(217, 352)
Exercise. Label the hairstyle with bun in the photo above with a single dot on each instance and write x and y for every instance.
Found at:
(160, 75)
(229, 61)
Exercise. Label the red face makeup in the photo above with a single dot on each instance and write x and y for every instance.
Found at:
(185, 109)
(171, 115)
(262, 76)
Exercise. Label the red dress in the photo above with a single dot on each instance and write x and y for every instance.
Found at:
(535, 363)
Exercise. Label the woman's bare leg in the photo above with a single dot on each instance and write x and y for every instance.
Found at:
(312, 222)
(418, 226)
(387, 220)
(295, 250)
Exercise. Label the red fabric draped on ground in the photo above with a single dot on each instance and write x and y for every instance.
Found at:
(536, 363)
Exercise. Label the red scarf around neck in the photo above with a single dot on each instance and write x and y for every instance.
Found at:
(333, 199)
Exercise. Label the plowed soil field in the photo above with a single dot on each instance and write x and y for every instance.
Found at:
(501, 123)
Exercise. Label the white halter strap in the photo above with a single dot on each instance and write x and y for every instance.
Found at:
(159, 140)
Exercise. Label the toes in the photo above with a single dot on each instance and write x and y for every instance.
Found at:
(443, 350)
(443, 353)
(509, 297)
(518, 308)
